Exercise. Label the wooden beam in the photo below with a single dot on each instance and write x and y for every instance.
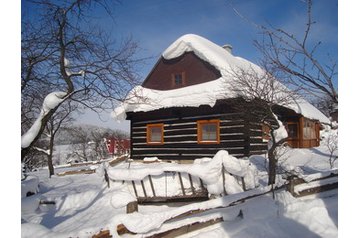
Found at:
(134, 188)
(191, 184)
(181, 183)
(186, 229)
(151, 185)
(145, 193)
(223, 173)
(243, 183)
(83, 171)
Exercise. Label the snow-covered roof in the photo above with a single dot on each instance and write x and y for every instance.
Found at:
(144, 99)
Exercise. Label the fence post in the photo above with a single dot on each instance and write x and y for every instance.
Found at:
(223, 173)
(106, 177)
(132, 207)
(291, 185)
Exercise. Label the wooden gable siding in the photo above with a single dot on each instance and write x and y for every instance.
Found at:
(195, 71)
(238, 137)
(288, 116)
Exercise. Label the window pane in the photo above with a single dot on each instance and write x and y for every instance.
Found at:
(209, 132)
(155, 134)
(309, 130)
(178, 79)
(292, 130)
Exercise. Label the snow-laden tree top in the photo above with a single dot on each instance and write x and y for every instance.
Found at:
(144, 99)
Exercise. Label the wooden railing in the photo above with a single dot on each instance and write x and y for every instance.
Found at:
(299, 187)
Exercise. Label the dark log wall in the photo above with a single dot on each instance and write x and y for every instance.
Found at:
(196, 71)
(238, 137)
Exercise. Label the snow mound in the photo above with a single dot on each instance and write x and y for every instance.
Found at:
(209, 170)
(30, 184)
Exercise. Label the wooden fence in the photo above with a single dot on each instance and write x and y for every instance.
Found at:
(300, 187)
(190, 225)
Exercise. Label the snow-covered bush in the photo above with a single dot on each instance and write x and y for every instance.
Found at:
(330, 141)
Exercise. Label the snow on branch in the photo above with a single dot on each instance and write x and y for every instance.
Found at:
(51, 101)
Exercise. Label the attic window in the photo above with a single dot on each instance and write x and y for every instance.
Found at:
(178, 79)
(208, 131)
(265, 133)
(155, 134)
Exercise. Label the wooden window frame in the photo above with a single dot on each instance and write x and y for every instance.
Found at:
(266, 136)
(297, 129)
(148, 136)
(200, 123)
(183, 78)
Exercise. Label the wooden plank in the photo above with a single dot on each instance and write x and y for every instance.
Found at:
(181, 183)
(44, 202)
(135, 190)
(186, 229)
(191, 184)
(145, 193)
(223, 174)
(151, 184)
(199, 196)
(318, 189)
(243, 183)
(82, 171)
(201, 184)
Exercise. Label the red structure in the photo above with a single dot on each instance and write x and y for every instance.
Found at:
(117, 146)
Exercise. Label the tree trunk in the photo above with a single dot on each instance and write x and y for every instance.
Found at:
(51, 169)
(272, 165)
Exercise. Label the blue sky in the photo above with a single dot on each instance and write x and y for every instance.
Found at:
(156, 24)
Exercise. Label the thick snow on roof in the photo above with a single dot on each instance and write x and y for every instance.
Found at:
(144, 99)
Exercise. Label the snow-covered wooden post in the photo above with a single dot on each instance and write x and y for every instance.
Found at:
(132, 207)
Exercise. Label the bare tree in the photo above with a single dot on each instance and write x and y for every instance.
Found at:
(295, 58)
(70, 59)
(258, 96)
(61, 118)
(331, 143)
(82, 145)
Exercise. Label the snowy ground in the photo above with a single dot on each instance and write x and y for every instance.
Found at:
(84, 206)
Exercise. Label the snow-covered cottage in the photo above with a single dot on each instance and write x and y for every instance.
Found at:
(181, 111)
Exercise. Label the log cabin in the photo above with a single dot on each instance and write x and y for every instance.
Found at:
(182, 110)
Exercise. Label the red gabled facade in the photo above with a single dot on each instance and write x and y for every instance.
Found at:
(192, 70)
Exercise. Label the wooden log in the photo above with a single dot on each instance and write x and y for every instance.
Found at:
(181, 183)
(132, 207)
